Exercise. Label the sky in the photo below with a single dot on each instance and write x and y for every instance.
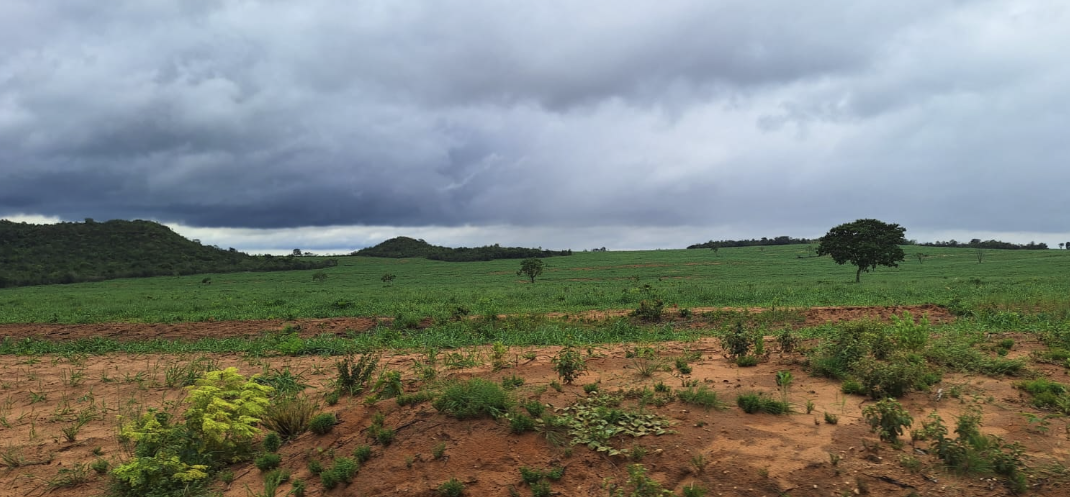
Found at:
(330, 125)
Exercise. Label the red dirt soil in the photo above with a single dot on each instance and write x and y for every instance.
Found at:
(727, 451)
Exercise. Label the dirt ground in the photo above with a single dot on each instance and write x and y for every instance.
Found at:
(727, 451)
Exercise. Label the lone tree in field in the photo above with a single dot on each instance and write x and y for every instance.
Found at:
(531, 267)
(865, 243)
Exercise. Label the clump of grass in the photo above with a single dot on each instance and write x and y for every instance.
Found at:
(289, 416)
(752, 403)
(70, 477)
(701, 396)
(473, 398)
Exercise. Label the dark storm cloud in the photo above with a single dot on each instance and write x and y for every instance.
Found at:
(783, 117)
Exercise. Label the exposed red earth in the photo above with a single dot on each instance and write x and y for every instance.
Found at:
(729, 452)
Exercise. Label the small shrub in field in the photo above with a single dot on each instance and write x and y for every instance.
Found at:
(520, 423)
(451, 488)
(736, 342)
(747, 361)
(315, 467)
(268, 462)
(909, 335)
(272, 442)
(569, 364)
(788, 341)
(682, 366)
(1047, 394)
(535, 408)
(530, 476)
(852, 386)
(363, 453)
(473, 398)
(322, 424)
(890, 379)
(100, 465)
(590, 388)
(831, 418)
(342, 471)
(649, 310)
(888, 418)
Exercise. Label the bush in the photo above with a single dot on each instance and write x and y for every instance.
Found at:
(851, 342)
(747, 361)
(569, 364)
(888, 418)
(451, 488)
(267, 462)
(323, 423)
(520, 423)
(473, 398)
(342, 471)
(852, 386)
(649, 310)
(171, 457)
(736, 342)
(363, 453)
(891, 379)
(272, 442)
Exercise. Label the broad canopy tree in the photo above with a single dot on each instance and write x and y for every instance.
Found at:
(531, 268)
(865, 243)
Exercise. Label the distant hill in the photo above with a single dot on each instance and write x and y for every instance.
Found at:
(404, 247)
(32, 254)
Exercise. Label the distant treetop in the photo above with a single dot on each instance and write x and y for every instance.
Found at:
(404, 247)
(780, 240)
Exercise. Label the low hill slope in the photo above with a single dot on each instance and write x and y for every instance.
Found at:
(404, 248)
(32, 254)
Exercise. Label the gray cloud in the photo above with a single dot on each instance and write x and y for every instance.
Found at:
(754, 118)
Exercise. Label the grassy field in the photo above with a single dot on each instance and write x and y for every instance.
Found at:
(1031, 281)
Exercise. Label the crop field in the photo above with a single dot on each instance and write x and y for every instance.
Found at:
(746, 372)
(783, 276)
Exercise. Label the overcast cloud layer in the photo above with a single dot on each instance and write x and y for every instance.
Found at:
(334, 124)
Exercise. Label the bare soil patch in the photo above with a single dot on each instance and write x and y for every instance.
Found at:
(729, 452)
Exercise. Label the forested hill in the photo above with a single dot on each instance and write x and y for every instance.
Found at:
(404, 247)
(32, 254)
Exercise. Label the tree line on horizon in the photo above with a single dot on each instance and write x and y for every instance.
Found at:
(787, 240)
(406, 248)
(32, 254)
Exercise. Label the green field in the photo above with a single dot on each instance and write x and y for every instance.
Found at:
(1028, 282)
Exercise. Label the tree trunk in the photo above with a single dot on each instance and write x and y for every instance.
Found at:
(858, 275)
